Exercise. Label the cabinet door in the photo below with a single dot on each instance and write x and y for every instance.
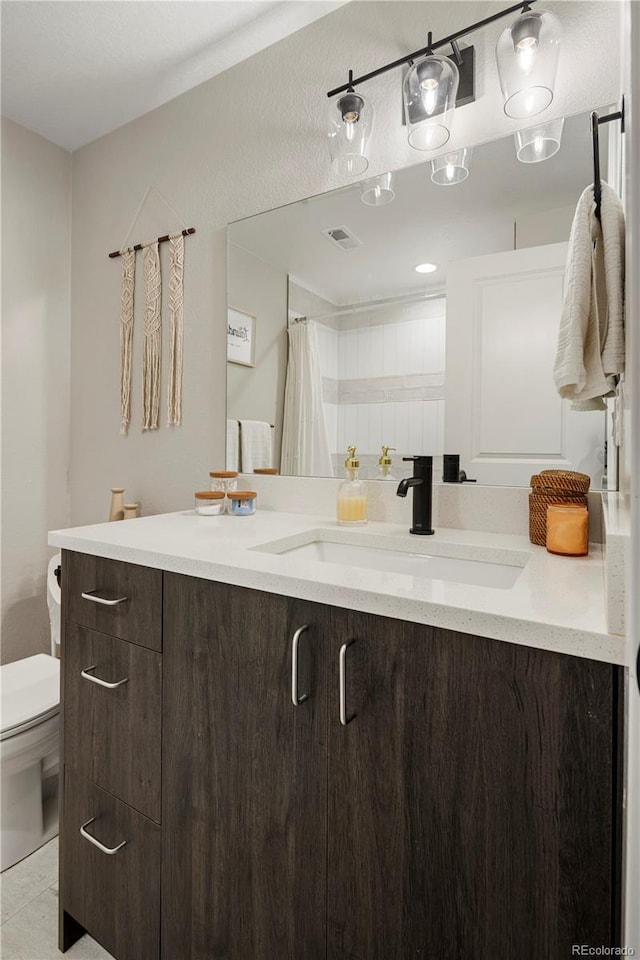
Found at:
(110, 872)
(112, 733)
(469, 797)
(244, 776)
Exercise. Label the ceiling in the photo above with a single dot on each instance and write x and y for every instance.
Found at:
(424, 222)
(74, 70)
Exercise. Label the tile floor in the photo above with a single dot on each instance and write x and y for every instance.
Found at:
(29, 898)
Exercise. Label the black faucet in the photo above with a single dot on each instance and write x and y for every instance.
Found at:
(421, 481)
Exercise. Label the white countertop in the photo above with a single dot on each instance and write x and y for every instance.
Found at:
(557, 603)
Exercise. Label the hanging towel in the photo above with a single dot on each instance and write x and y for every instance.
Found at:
(591, 337)
(255, 445)
(233, 445)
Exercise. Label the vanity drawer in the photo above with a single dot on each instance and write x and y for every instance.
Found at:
(115, 896)
(112, 734)
(121, 599)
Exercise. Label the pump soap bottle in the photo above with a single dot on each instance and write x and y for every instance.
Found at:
(385, 465)
(352, 494)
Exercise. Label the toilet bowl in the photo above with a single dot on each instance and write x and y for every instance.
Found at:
(29, 743)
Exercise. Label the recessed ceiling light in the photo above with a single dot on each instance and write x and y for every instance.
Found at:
(425, 268)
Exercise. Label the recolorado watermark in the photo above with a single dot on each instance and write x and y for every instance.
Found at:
(585, 950)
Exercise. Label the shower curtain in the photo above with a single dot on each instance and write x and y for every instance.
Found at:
(305, 445)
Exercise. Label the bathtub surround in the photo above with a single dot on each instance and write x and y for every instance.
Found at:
(36, 198)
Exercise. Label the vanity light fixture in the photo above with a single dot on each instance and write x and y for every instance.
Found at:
(377, 191)
(435, 84)
(527, 57)
(425, 268)
(350, 123)
(430, 89)
(451, 168)
(540, 142)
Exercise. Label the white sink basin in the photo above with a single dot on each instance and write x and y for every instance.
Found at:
(443, 561)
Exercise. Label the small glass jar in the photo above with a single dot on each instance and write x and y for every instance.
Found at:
(243, 502)
(224, 480)
(209, 503)
(568, 529)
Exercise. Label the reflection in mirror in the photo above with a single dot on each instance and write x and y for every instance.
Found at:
(355, 345)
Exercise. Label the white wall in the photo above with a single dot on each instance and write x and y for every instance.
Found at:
(215, 165)
(257, 393)
(36, 197)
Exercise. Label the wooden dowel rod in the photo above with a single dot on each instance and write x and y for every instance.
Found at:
(139, 246)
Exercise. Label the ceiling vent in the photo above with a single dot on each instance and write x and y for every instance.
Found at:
(342, 237)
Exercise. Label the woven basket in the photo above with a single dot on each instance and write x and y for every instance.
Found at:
(553, 486)
(562, 481)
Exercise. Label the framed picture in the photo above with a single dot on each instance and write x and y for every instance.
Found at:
(241, 337)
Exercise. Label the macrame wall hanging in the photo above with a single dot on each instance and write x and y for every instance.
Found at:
(176, 302)
(152, 349)
(126, 335)
(152, 333)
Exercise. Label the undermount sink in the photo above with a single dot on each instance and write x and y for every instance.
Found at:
(455, 563)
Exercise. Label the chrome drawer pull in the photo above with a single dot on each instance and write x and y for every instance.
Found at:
(344, 719)
(93, 596)
(101, 683)
(108, 850)
(296, 700)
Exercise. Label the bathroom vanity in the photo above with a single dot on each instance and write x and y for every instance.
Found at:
(290, 757)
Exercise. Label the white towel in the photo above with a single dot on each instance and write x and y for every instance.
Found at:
(591, 336)
(255, 445)
(233, 445)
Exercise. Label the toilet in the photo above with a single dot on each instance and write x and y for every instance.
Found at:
(29, 743)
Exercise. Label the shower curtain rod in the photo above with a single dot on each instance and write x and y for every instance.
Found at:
(373, 305)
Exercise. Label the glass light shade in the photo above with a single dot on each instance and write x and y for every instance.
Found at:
(539, 143)
(350, 123)
(451, 168)
(527, 57)
(430, 88)
(378, 191)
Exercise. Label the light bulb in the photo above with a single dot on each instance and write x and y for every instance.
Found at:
(538, 145)
(450, 171)
(429, 88)
(349, 129)
(526, 53)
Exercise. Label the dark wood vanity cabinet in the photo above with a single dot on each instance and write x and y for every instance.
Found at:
(111, 755)
(244, 806)
(470, 797)
(464, 809)
(344, 786)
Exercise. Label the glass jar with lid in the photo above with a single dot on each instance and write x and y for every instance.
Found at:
(225, 480)
(242, 503)
(209, 503)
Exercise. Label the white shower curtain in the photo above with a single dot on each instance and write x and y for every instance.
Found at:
(305, 445)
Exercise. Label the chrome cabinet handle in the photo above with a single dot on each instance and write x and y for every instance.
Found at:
(344, 719)
(295, 699)
(93, 596)
(101, 683)
(87, 836)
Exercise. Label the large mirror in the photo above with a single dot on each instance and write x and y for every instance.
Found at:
(353, 346)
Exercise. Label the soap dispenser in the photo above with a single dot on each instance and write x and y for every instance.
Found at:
(352, 494)
(385, 465)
